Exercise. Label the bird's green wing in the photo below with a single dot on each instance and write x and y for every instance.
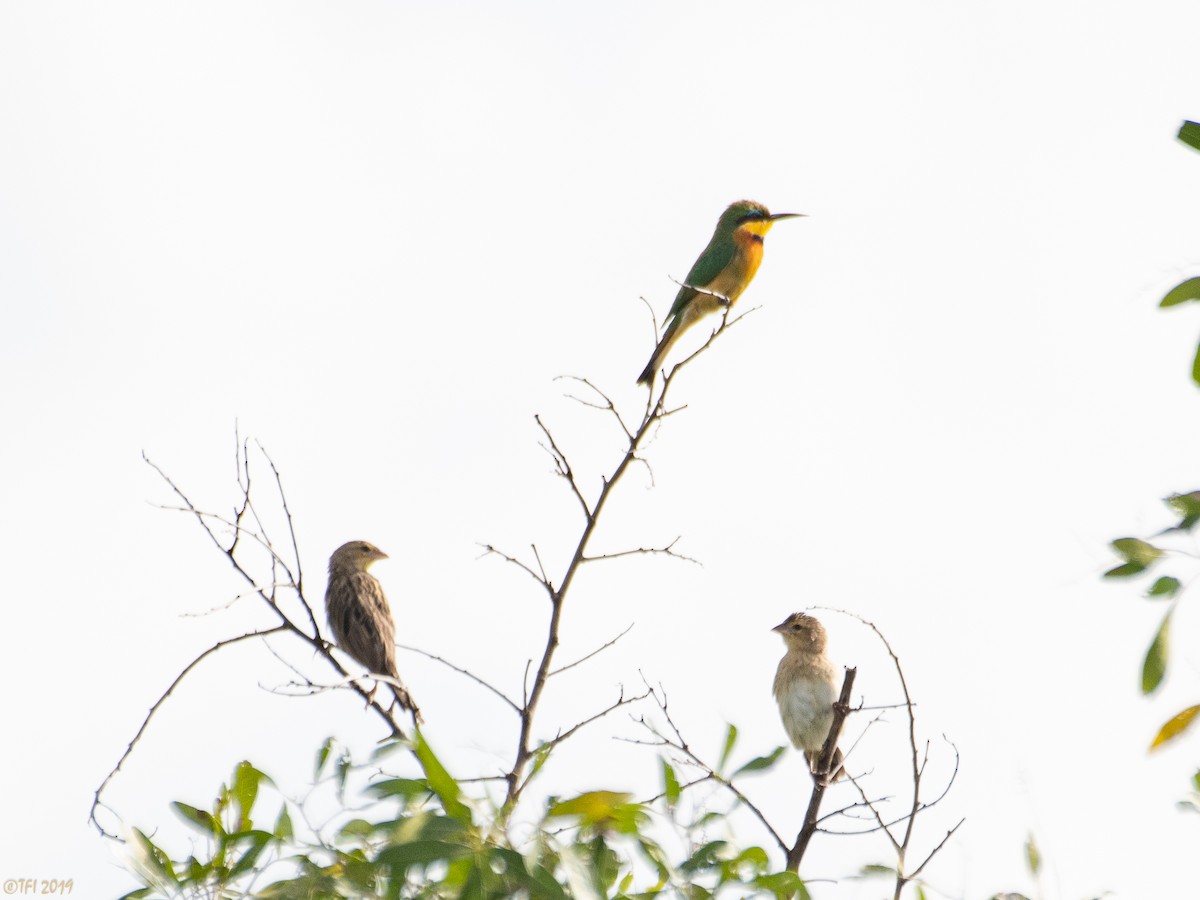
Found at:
(716, 256)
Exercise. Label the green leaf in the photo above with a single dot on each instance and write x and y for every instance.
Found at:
(1125, 570)
(151, 859)
(356, 828)
(322, 757)
(342, 772)
(202, 820)
(1196, 780)
(390, 747)
(783, 885)
(657, 858)
(760, 763)
(1173, 728)
(1189, 133)
(258, 841)
(1154, 667)
(754, 857)
(400, 787)
(1188, 506)
(1164, 588)
(671, 788)
(921, 892)
(1137, 550)
(1182, 293)
(1196, 366)
(1138, 554)
(401, 856)
(707, 857)
(246, 779)
(540, 755)
(1033, 858)
(425, 826)
(283, 825)
(440, 781)
(730, 740)
(876, 869)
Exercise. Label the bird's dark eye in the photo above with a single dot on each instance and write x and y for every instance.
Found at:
(365, 548)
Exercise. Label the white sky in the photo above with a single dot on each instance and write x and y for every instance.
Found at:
(372, 234)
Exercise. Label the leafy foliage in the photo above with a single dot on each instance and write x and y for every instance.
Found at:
(1139, 556)
(422, 837)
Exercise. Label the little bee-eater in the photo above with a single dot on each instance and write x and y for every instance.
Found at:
(719, 275)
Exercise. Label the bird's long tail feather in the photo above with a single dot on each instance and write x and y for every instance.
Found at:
(660, 353)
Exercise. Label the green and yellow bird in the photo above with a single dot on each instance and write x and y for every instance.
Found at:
(721, 273)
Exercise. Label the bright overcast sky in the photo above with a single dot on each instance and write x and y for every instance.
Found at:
(370, 235)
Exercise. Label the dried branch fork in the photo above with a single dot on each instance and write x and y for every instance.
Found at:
(902, 844)
(286, 579)
(676, 742)
(655, 411)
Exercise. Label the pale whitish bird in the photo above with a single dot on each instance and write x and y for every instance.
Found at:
(359, 615)
(805, 688)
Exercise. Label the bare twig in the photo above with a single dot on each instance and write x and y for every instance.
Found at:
(549, 745)
(246, 522)
(564, 469)
(489, 550)
(96, 802)
(607, 405)
(469, 674)
(668, 550)
(585, 658)
(679, 744)
(918, 760)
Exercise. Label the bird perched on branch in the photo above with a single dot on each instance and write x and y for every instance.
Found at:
(719, 275)
(360, 618)
(805, 689)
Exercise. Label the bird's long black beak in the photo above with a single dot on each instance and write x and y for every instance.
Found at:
(775, 217)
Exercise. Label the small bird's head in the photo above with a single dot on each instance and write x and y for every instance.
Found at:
(802, 632)
(748, 215)
(355, 556)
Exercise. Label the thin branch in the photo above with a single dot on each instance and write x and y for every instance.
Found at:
(541, 567)
(680, 745)
(549, 745)
(917, 764)
(598, 650)
(645, 551)
(655, 411)
(469, 674)
(564, 469)
(932, 853)
(154, 709)
(489, 550)
(606, 405)
(299, 579)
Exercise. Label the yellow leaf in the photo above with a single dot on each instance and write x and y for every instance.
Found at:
(592, 807)
(1175, 726)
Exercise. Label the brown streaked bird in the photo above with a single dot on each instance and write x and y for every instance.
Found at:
(360, 618)
(805, 689)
